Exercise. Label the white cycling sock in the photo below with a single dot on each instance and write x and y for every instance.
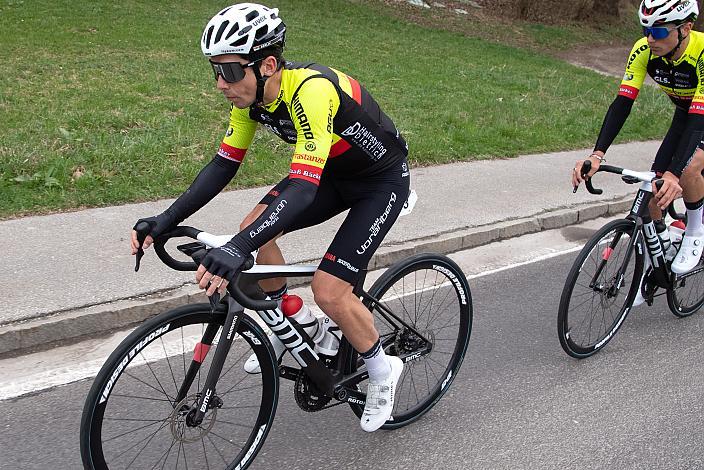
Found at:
(376, 362)
(694, 221)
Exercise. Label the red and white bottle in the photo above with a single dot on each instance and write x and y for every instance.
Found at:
(293, 307)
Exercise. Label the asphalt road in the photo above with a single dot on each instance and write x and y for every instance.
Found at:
(517, 402)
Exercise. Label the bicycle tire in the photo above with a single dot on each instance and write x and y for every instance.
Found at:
(449, 282)
(569, 325)
(128, 392)
(687, 294)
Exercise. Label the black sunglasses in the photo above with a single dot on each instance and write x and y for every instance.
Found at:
(231, 72)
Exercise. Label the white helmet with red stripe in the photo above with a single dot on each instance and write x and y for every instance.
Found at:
(244, 28)
(653, 12)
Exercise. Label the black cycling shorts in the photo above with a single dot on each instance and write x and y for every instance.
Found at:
(374, 203)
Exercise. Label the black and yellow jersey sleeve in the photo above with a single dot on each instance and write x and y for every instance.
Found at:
(238, 136)
(636, 70)
(314, 105)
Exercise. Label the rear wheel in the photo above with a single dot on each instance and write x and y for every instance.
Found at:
(133, 419)
(687, 294)
(422, 303)
(600, 289)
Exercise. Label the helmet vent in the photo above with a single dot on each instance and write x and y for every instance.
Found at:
(251, 15)
(209, 35)
(240, 42)
(221, 30)
(261, 32)
(245, 30)
(232, 31)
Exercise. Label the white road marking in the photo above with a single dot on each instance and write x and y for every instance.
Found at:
(43, 370)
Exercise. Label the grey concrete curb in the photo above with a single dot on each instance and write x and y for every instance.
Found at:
(66, 326)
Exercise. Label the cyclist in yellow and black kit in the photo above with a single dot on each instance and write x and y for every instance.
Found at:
(672, 54)
(348, 155)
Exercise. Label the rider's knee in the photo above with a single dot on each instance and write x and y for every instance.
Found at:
(328, 295)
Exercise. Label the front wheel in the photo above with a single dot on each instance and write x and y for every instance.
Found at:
(426, 295)
(136, 413)
(600, 289)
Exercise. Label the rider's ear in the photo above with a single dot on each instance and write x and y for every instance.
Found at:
(269, 66)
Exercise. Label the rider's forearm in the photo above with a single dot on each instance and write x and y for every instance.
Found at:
(613, 122)
(691, 138)
(279, 215)
(210, 181)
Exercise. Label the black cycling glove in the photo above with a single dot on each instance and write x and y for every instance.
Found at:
(159, 224)
(225, 261)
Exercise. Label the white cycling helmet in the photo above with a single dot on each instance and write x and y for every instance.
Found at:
(652, 12)
(243, 29)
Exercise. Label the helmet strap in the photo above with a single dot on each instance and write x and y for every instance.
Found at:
(680, 38)
(261, 81)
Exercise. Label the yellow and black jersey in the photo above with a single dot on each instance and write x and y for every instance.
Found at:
(682, 80)
(333, 122)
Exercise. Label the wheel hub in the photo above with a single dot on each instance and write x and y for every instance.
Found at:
(181, 417)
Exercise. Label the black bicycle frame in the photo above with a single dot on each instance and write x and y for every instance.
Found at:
(640, 214)
(297, 342)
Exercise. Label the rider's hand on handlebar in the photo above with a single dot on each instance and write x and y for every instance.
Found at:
(669, 191)
(219, 267)
(158, 224)
(577, 176)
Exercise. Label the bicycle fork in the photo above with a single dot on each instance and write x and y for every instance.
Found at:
(207, 398)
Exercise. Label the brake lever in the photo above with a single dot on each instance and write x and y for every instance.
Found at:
(586, 168)
(142, 230)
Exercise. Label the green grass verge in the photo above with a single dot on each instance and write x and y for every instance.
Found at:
(108, 103)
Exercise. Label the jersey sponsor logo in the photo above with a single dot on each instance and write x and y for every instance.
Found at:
(271, 220)
(310, 146)
(635, 54)
(229, 132)
(330, 257)
(306, 172)
(231, 153)
(628, 77)
(376, 226)
(330, 106)
(306, 159)
(273, 129)
(628, 91)
(697, 107)
(365, 139)
(347, 265)
(302, 118)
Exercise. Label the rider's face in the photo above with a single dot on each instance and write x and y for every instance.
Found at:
(661, 47)
(243, 92)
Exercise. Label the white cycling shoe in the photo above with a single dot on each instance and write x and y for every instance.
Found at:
(380, 397)
(689, 253)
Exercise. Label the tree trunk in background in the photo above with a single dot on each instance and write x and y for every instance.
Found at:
(699, 25)
(606, 8)
(567, 10)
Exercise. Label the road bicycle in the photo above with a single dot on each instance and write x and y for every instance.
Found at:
(174, 394)
(621, 258)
